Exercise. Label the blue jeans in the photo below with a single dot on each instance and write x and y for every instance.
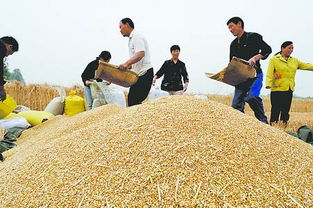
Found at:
(250, 92)
(88, 97)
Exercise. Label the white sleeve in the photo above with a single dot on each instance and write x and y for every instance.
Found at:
(139, 44)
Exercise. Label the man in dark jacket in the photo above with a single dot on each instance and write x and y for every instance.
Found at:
(173, 70)
(8, 45)
(89, 75)
(251, 47)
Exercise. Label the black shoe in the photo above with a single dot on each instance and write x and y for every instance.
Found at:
(1, 157)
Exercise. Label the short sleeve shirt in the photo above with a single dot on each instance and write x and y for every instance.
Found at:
(136, 43)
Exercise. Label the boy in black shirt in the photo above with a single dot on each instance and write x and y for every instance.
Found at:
(251, 47)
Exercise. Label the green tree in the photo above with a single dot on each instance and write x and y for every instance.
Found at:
(16, 75)
(6, 73)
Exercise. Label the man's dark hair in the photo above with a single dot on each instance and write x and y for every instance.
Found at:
(175, 47)
(235, 20)
(105, 55)
(11, 41)
(129, 21)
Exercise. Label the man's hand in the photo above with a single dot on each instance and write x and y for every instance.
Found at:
(88, 82)
(185, 86)
(106, 82)
(252, 61)
(154, 80)
(128, 64)
(277, 75)
(3, 95)
(123, 67)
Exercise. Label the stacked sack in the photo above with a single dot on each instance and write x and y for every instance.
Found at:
(7, 106)
(8, 118)
(70, 105)
(56, 106)
(35, 117)
(74, 104)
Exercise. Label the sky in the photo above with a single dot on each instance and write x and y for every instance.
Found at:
(58, 38)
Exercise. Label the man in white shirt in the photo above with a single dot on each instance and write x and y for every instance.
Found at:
(139, 62)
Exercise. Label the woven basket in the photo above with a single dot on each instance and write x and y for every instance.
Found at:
(112, 74)
(236, 72)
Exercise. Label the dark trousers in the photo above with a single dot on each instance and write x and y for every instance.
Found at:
(9, 138)
(140, 90)
(250, 92)
(281, 103)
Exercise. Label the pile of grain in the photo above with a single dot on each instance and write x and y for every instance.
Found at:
(177, 151)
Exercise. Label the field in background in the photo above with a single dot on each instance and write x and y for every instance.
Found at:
(298, 104)
(36, 97)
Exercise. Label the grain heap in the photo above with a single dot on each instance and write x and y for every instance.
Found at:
(176, 151)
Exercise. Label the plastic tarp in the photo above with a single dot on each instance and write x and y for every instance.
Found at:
(19, 122)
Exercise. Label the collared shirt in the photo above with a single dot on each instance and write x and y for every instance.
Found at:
(249, 45)
(173, 74)
(286, 70)
(3, 52)
(136, 43)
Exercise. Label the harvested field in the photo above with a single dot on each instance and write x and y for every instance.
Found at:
(37, 97)
(299, 119)
(176, 151)
(298, 104)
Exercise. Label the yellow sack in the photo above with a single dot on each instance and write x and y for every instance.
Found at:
(74, 104)
(35, 117)
(11, 115)
(7, 106)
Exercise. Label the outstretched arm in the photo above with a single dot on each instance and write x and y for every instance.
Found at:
(136, 57)
(305, 66)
